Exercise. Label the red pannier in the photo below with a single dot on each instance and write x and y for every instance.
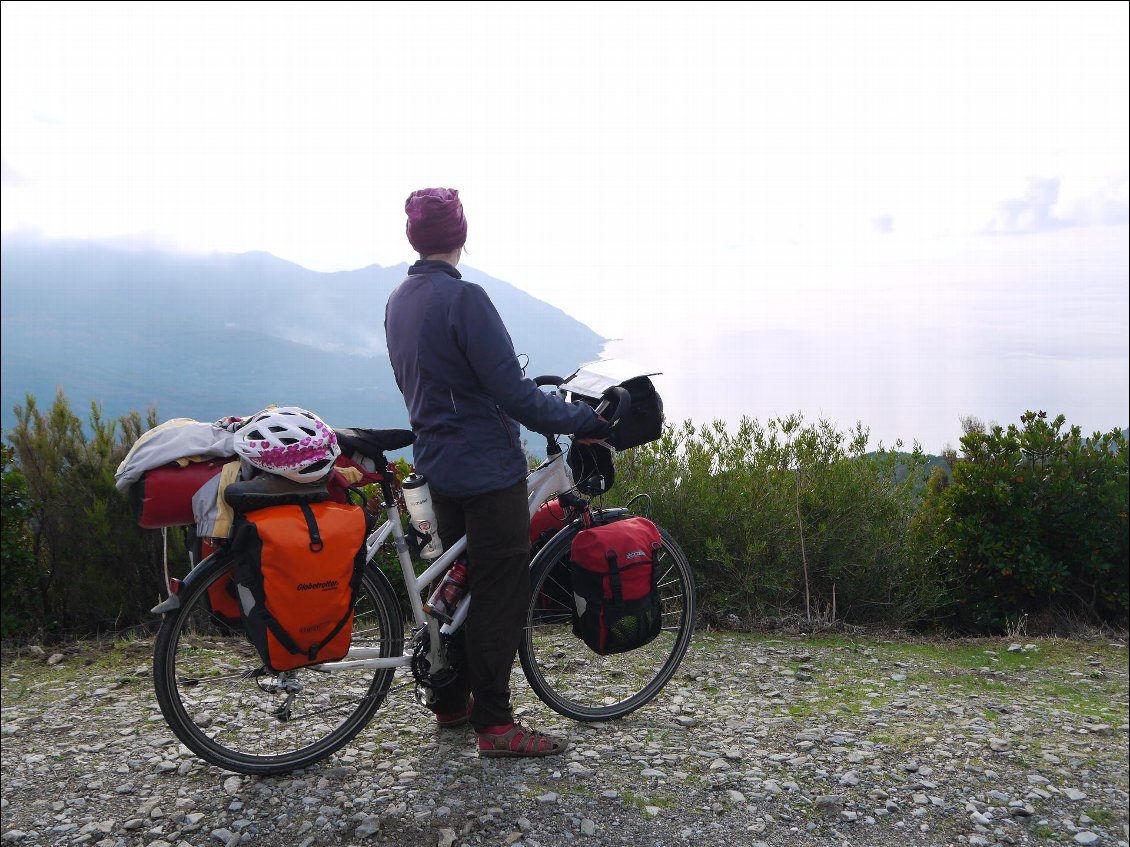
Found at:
(163, 496)
(221, 597)
(617, 606)
(545, 523)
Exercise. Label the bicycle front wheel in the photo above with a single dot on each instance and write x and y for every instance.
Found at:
(225, 707)
(576, 682)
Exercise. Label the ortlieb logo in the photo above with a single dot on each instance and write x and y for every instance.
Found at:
(635, 554)
(328, 585)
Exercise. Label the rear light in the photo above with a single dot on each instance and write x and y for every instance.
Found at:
(174, 586)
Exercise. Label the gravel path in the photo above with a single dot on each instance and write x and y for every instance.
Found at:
(758, 740)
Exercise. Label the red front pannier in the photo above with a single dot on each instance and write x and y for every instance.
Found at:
(163, 496)
(617, 605)
(545, 523)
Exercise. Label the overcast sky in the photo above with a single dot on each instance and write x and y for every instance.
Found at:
(753, 196)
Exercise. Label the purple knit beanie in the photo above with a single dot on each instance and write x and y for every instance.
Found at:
(435, 221)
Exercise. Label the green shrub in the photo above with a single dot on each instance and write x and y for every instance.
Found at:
(790, 518)
(386, 558)
(22, 609)
(95, 568)
(1036, 521)
(782, 519)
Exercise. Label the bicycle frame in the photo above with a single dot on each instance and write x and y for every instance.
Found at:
(547, 480)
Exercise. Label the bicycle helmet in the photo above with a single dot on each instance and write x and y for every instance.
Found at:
(288, 442)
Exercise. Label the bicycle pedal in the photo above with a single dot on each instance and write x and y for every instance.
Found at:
(424, 695)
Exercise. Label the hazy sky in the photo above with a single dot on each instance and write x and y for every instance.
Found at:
(896, 213)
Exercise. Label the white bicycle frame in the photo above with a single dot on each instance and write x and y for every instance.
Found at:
(549, 479)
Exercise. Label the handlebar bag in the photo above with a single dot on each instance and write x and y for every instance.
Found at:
(297, 571)
(616, 601)
(644, 422)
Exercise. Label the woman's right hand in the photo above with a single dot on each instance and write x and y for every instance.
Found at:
(596, 433)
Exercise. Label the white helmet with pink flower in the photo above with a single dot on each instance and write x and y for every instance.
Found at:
(290, 442)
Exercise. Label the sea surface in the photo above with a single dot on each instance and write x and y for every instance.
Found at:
(908, 346)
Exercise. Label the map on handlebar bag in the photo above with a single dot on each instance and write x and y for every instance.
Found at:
(594, 378)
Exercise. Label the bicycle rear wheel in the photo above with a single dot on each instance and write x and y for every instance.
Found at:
(574, 681)
(221, 703)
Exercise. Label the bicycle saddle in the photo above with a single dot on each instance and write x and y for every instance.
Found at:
(372, 443)
(268, 490)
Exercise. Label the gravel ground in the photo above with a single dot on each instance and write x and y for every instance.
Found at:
(757, 740)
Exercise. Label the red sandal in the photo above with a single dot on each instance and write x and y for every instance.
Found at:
(450, 720)
(515, 740)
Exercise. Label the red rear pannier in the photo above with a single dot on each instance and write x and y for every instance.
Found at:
(163, 496)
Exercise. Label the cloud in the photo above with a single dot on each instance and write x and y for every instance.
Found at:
(1049, 205)
(1031, 213)
(1102, 205)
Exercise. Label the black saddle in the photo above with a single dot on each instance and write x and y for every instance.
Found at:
(373, 443)
(269, 490)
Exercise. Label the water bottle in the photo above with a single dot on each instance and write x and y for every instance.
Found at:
(443, 601)
(418, 498)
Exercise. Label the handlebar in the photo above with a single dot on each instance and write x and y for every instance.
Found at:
(623, 402)
(612, 406)
(616, 396)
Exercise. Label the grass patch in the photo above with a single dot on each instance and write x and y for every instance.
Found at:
(805, 709)
(1091, 701)
(1103, 817)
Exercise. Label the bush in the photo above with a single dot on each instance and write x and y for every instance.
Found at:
(778, 520)
(791, 518)
(94, 567)
(1036, 522)
(386, 558)
(22, 608)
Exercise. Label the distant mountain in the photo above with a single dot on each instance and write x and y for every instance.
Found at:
(204, 336)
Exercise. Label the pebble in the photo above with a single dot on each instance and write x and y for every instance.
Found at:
(829, 802)
(901, 766)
